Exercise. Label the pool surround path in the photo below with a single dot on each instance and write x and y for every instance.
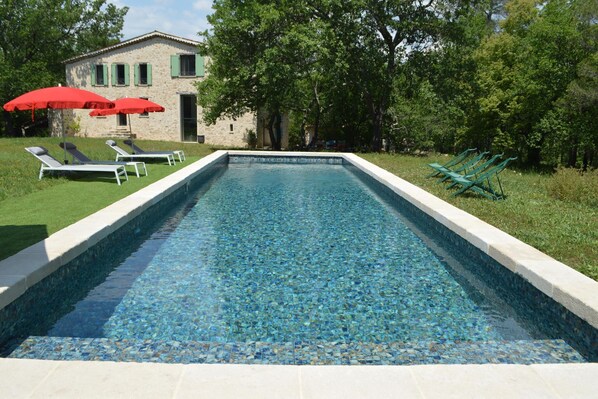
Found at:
(44, 378)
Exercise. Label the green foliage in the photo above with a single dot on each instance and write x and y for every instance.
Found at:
(522, 73)
(311, 56)
(251, 138)
(37, 36)
(572, 185)
(421, 120)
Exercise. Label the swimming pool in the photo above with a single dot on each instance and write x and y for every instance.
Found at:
(296, 264)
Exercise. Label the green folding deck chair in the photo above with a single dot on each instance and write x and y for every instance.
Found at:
(482, 184)
(464, 168)
(455, 161)
(472, 173)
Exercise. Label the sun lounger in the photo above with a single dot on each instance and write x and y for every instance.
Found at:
(482, 184)
(80, 158)
(455, 161)
(463, 168)
(122, 154)
(138, 150)
(50, 163)
(473, 173)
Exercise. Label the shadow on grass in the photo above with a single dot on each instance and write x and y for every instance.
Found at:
(15, 238)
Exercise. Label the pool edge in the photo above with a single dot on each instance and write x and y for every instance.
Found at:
(45, 378)
(573, 290)
(75, 379)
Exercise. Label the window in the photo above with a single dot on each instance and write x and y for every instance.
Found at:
(120, 74)
(186, 65)
(144, 113)
(121, 120)
(231, 128)
(143, 74)
(99, 75)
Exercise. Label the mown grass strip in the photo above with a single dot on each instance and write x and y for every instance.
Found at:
(31, 209)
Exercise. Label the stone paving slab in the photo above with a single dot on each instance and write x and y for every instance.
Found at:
(60, 379)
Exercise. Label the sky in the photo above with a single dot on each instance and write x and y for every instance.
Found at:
(177, 17)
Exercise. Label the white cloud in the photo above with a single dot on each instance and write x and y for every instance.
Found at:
(203, 5)
(169, 16)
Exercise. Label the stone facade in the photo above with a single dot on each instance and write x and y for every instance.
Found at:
(155, 49)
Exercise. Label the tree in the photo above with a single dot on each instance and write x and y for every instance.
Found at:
(36, 36)
(377, 38)
(250, 62)
(295, 55)
(524, 70)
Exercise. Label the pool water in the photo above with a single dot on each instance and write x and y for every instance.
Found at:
(294, 264)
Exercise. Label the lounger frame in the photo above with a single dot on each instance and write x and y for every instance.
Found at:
(51, 164)
(122, 154)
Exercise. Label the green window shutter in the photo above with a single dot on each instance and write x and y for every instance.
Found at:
(136, 75)
(105, 68)
(175, 67)
(113, 75)
(199, 66)
(127, 74)
(149, 74)
(93, 74)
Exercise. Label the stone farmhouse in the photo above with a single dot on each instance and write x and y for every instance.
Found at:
(162, 68)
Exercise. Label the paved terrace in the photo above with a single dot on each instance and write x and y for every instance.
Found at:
(48, 379)
(58, 379)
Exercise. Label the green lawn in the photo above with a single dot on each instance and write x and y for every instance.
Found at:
(30, 209)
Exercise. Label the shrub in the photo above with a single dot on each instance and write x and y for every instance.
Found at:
(251, 138)
(573, 185)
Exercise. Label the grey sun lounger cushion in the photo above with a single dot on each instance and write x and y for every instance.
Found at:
(50, 163)
(138, 150)
(80, 158)
(122, 154)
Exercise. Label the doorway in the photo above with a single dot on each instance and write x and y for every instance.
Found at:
(188, 117)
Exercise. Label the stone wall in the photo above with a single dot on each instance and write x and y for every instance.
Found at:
(165, 90)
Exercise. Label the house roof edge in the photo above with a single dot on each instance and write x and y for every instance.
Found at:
(136, 39)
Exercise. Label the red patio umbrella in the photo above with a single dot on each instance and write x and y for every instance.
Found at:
(58, 97)
(127, 106)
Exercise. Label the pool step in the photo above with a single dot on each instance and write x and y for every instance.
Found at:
(397, 353)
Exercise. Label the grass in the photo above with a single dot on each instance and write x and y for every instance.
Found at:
(31, 210)
(567, 230)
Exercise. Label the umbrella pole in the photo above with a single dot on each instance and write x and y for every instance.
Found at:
(130, 130)
(66, 161)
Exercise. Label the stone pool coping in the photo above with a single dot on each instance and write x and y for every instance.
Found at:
(20, 378)
(572, 289)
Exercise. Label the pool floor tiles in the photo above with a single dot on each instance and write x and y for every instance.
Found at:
(316, 353)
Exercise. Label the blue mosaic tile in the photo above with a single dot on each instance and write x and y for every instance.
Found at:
(253, 267)
(317, 353)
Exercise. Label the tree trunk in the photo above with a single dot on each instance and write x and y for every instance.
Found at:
(378, 121)
(572, 159)
(274, 129)
(588, 154)
(10, 131)
(533, 156)
(314, 139)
